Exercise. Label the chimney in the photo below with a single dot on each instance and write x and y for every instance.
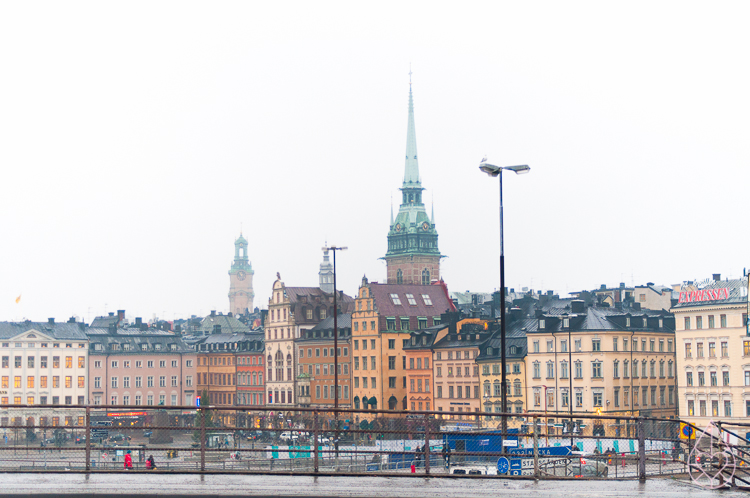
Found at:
(577, 306)
(138, 321)
(112, 329)
(111, 313)
(622, 285)
(636, 306)
(550, 293)
(603, 287)
(72, 319)
(717, 277)
(230, 314)
(51, 321)
(213, 312)
(121, 315)
(516, 313)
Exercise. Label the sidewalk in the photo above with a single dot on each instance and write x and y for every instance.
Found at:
(219, 486)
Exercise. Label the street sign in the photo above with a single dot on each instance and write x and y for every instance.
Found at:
(503, 465)
(686, 431)
(510, 443)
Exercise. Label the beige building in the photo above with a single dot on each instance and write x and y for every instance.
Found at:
(292, 310)
(653, 297)
(457, 383)
(622, 362)
(713, 351)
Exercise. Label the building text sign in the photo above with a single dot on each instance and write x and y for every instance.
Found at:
(704, 295)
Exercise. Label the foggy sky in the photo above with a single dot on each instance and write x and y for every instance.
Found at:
(137, 139)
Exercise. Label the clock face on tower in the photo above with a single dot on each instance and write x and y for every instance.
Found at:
(425, 226)
(241, 275)
(398, 227)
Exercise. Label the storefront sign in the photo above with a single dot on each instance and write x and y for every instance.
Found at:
(704, 295)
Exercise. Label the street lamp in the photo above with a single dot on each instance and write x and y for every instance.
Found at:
(335, 330)
(497, 171)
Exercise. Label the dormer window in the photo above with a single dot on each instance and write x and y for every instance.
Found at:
(627, 321)
(489, 351)
(173, 347)
(157, 347)
(566, 322)
(410, 298)
(144, 347)
(427, 300)
(513, 350)
(645, 323)
(115, 346)
(395, 299)
(541, 324)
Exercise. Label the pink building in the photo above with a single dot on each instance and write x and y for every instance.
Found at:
(140, 366)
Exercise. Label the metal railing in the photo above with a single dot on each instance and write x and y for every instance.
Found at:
(309, 441)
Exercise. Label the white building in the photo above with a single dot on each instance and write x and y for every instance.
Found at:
(43, 364)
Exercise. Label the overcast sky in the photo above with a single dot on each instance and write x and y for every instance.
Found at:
(138, 138)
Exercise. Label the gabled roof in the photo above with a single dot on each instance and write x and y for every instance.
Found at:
(430, 333)
(344, 321)
(229, 324)
(385, 305)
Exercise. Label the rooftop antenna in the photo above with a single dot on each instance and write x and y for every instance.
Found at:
(410, 76)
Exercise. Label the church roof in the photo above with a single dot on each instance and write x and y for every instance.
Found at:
(411, 171)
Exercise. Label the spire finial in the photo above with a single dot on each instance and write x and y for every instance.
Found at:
(410, 76)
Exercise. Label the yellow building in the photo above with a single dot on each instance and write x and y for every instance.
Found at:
(622, 362)
(713, 351)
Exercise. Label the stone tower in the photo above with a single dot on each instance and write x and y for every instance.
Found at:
(413, 256)
(241, 280)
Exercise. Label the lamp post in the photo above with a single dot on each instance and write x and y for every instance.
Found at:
(497, 171)
(570, 383)
(335, 352)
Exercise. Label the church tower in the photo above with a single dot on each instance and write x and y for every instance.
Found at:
(325, 275)
(241, 280)
(413, 256)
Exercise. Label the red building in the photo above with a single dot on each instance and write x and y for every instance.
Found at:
(250, 371)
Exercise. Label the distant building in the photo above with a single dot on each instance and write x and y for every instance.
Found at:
(713, 351)
(46, 364)
(457, 383)
(382, 322)
(291, 311)
(413, 256)
(137, 365)
(315, 382)
(241, 293)
(623, 364)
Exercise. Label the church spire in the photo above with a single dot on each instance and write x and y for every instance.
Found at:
(411, 172)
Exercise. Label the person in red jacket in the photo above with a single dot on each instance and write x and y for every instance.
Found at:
(128, 461)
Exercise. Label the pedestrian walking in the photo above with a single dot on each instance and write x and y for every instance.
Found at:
(418, 457)
(150, 463)
(128, 461)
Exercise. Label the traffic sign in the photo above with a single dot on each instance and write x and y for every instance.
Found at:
(686, 431)
(503, 465)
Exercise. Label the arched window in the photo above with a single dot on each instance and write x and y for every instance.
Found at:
(392, 403)
(356, 402)
(399, 276)
(374, 403)
(425, 277)
(403, 403)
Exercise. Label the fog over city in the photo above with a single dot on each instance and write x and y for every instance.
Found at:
(139, 139)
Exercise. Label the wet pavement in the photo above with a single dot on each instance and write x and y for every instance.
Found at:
(221, 485)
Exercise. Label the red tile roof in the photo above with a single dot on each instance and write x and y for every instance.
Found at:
(437, 293)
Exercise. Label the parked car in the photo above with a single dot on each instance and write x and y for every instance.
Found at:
(119, 438)
(148, 433)
(81, 439)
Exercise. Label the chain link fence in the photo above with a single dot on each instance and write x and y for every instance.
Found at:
(346, 442)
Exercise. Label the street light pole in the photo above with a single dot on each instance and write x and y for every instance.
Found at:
(497, 171)
(335, 330)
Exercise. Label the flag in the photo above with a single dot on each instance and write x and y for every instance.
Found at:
(18, 299)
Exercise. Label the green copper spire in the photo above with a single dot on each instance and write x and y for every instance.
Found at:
(411, 172)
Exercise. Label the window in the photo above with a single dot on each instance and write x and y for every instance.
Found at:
(688, 350)
(578, 370)
(550, 346)
(713, 379)
(598, 395)
(114, 382)
(723, 321)
(410, 298)
(596, 369)
(537, 370)
(577, 344)
(699, 350)
(395, 299)
(550, 370)
(687, 323)
(536, 346)
(698, 322)
(725, 377)
(689, 378)
(702, 379)
(596, 345)
(391, 343)
(724, 349)
(614, 344)
(616, 369)
(563, 370)
(712, 350)
(81, 382)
